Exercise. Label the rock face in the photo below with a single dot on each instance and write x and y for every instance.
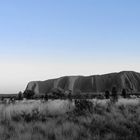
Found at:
(95, 83)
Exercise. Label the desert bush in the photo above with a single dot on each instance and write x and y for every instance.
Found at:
(114, 94)
(81, 106)
(28, 94)
(20, 96)
(107, 94)
(124, 93)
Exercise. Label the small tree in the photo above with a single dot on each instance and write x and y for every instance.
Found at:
(69, 95)
(107, 94)
(58, 93)
(124, 93)
(28, 94)
(20, 96)
(114, 94)
(46, 97)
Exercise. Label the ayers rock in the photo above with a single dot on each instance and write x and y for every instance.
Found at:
(95, 83)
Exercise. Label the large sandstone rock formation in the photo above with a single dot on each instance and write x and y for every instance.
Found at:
(96, 83)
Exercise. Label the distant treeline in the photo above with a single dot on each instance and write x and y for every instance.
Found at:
(59, 93)
(9, 95)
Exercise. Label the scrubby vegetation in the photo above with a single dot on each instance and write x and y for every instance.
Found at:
(33, 121)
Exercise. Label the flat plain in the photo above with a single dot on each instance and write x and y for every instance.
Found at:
(62, 120)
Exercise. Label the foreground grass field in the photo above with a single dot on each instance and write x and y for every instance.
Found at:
(35, 121)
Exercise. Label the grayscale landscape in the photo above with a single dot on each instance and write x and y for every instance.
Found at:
(69, 69)
(73, 108)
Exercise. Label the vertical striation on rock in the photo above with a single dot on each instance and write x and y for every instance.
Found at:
(95, 83)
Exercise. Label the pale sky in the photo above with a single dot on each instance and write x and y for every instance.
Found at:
(44, 39)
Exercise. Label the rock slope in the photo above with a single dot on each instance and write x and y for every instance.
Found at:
(95, 83)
